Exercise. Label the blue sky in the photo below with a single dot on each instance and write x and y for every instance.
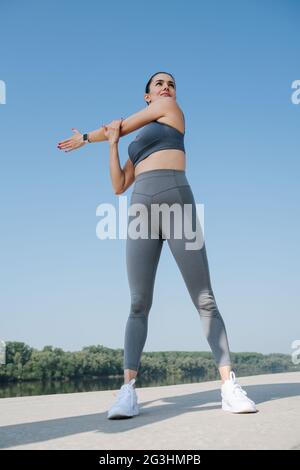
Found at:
(80, 64)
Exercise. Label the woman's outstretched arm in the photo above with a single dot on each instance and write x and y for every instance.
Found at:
(154, 111)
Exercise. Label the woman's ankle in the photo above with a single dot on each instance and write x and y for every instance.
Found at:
(129, 374)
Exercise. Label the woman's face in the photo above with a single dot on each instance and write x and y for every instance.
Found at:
(161, 85)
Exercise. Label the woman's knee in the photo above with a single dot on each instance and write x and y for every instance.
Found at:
(206, 304)
(140, 304)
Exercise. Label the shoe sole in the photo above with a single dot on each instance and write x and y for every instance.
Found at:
(226, 407)
(122, 415)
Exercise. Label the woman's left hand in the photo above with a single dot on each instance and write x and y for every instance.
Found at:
(112, 131)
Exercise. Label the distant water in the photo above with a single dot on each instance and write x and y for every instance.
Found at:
(19, 389)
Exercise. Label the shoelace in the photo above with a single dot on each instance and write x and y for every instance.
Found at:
(123, 391)
(237, 389)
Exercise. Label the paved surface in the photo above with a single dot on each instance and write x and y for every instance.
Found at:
(184, 416)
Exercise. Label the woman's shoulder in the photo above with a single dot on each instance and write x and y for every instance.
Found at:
(174, 118)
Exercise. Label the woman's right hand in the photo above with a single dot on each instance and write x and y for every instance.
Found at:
(74, 142)
(112, 131)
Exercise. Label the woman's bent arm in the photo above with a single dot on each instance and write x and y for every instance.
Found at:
(121, 179)
(116, 172)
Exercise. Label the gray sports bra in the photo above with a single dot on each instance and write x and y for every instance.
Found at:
(154, 136)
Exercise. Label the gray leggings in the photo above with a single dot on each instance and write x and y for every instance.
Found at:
(142, 255)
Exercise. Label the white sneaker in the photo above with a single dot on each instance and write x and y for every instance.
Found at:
(126, 405)
(234, 398)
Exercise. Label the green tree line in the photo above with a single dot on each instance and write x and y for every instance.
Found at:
(24, 363)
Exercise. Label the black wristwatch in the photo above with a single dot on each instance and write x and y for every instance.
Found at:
(86, 138)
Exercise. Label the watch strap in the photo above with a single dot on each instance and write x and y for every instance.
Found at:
(86, 138)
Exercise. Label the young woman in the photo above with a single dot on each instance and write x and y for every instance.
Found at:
(157, 165)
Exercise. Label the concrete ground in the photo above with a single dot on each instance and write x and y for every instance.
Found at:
(177, 417)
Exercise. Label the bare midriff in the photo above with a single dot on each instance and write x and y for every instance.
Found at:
(163, 159)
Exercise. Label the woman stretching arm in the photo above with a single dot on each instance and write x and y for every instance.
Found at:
(156, 110)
